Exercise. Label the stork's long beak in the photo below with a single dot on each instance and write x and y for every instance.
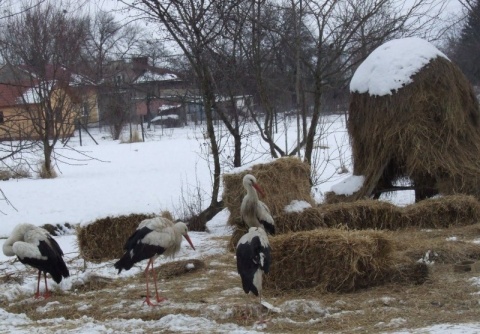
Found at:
(258, 189)
(189, 241)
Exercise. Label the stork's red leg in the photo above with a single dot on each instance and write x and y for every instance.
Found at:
(159, 299)
(47, 293)
(147, 299)
(37, 294)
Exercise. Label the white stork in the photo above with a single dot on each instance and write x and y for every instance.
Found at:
(35, 247)
(254, 212)
(253, 259)
(152, 238)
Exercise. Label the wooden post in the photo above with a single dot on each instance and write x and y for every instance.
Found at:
(80, 130)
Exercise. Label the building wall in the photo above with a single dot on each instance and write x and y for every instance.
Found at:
(18, 121)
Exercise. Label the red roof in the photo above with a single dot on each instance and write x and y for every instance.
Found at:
(9, 94)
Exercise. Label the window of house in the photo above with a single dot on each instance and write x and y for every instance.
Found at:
(1, 117)
(85, 110)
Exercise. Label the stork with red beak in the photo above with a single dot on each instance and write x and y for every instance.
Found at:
(254, 212)
(153, 237)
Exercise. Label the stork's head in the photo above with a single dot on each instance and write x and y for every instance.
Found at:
(250, 181)
(182, 228)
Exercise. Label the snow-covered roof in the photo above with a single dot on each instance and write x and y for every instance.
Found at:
(391, 66)
(32, 95)
(164, 117)
(149, 76)
(168, 107)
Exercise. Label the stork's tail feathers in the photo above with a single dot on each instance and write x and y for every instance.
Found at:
(125, 262)
(59, 271)
(269, 228)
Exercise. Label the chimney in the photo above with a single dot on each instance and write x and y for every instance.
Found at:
(142, 61)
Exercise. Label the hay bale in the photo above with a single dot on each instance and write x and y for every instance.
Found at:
(454, 210)
(103, 239)
(306, 220)
(283, 180)
(329, 260)
(427, 131)
(443, 212)
(332, 198)
(364, 214)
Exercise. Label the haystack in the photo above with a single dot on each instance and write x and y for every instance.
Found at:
(103, 239)
(332, 260)
(427, 132)
(283, 180)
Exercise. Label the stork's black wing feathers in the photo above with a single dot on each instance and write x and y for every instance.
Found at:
(55, 246)
(54, 264)
(135, 238)
(136, 250)
(250, 256)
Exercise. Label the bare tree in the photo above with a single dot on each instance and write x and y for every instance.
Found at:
(108, 41)
(45, 44)
(194, 26)
(341, 35)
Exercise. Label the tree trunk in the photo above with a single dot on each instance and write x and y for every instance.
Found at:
(313, 126)
(47, 154)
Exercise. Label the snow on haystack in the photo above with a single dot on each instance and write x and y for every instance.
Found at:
(297, 206)
(349, 185)
(391, 66)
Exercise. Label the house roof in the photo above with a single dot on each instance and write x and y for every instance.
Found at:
(56, 73)
(139, 71)
(10, 94)
(21, 84)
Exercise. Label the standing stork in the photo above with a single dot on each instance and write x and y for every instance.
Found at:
(152, 238)
(253, 259)
(254, 212)
(35, 247)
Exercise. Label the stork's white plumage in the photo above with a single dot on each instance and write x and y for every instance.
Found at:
(253, 259)
(254, 212)
(35, 247)
(153, 237)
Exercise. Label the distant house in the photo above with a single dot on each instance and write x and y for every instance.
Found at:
(147, 88)
(22, 101)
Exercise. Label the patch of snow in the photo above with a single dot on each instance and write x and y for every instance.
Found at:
(297, 206)
(348, 186)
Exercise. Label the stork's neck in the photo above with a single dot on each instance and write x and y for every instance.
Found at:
(252, 193)
(8, 249)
